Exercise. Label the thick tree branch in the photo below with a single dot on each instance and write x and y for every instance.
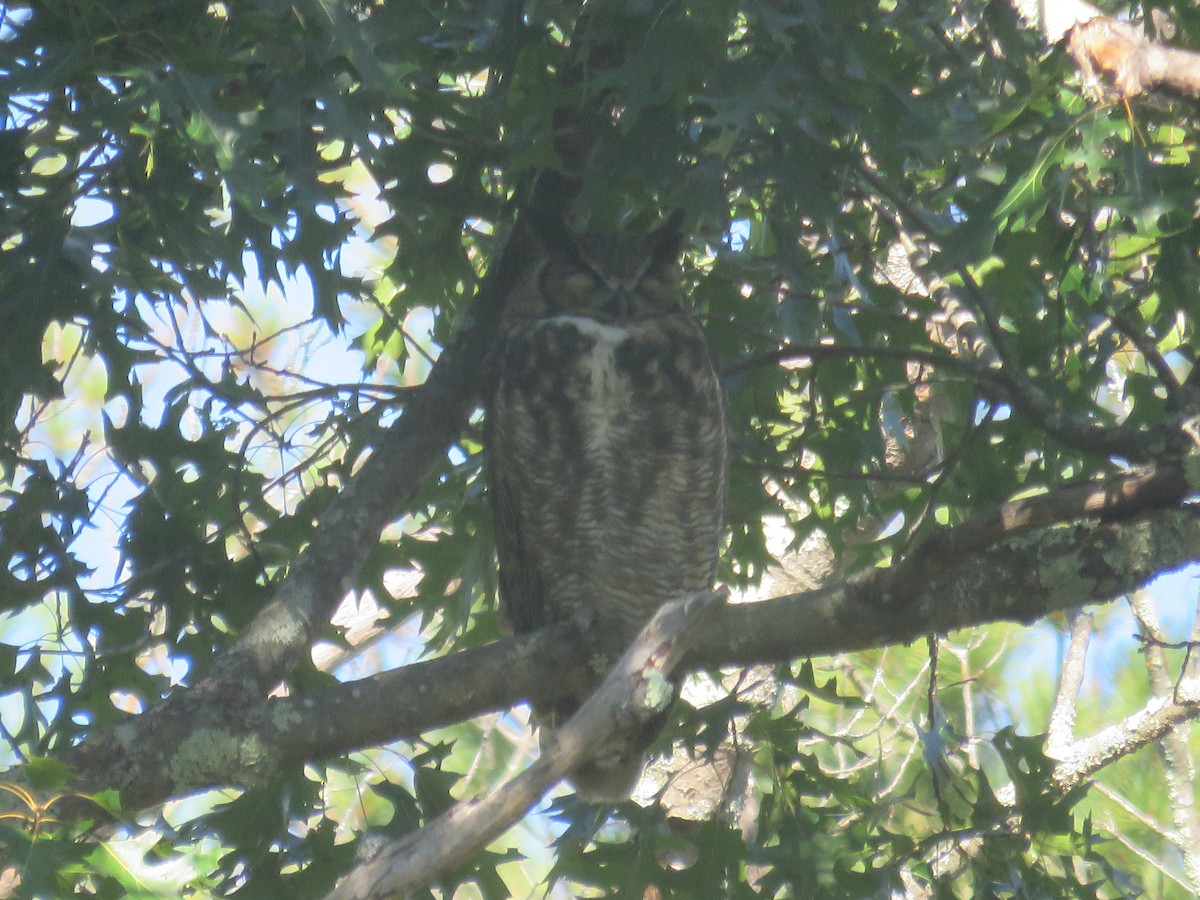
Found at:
(1149, 487)
(190, 737)
(1020, 580)
(999, 567)
(634, 690)
(383, 488)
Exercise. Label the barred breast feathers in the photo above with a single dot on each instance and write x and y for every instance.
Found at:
(606, 380)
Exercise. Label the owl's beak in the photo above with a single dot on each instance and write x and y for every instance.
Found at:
(621, 307)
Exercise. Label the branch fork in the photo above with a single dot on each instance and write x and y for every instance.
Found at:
(632, 687)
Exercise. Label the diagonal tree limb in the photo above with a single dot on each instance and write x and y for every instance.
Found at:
(282, 632)
(381, 490)
(1076, 761)
(973, 319)
(634, 690)
(1158, 717)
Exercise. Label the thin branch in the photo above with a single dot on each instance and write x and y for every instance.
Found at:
(1088, 756)
(1176, 396)
(1152, 861)
(962, 319)
(984, 340)
(1177, 756)
(816, 353)
(967, 680)
(1135, 444)
(1146, 820)
(809, 472)
(1061, 731)
(1191, 661)
(886, 713)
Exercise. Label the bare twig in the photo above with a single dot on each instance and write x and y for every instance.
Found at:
(1161, 714)
(1177, 757)
(1061, 732)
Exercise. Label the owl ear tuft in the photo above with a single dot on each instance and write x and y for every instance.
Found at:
(666, 241)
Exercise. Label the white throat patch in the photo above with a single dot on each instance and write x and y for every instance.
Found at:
(602, 360)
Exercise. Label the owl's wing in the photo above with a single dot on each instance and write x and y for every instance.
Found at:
(522, 592)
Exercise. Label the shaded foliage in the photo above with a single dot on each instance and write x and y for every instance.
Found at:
(188, 192)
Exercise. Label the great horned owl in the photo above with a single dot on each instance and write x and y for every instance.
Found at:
(607, 457)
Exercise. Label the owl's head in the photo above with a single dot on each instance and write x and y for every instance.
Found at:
(613, 279)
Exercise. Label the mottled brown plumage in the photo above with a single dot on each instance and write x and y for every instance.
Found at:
(606, 454)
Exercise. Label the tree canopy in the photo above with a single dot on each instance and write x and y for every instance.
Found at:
(253, 256)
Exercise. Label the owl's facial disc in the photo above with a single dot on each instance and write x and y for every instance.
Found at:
(616, 280)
